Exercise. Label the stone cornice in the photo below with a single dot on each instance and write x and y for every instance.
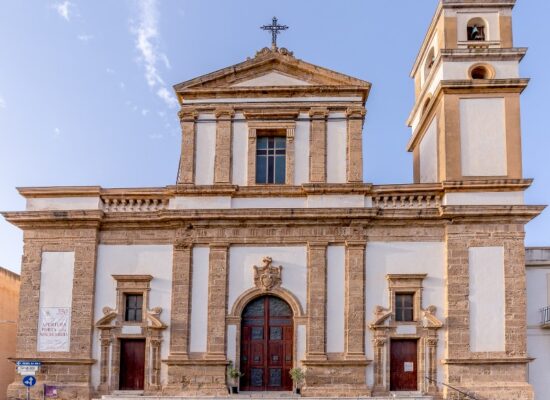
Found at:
(55, 219)
(496, 360)
(466, 86)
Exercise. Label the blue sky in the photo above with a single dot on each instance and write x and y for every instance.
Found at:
(86, 86)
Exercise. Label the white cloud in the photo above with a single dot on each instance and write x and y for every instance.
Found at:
(147, 35)
(121, 85)
(156, 136)
(56, 132)
(109, 70)
(85, 38)
(63, 9)
(144, 111)
(2, 102)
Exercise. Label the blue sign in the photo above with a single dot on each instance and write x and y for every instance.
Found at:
(29, 363)
(29, 381)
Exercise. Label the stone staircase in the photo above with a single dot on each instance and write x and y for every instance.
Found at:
(260, 395)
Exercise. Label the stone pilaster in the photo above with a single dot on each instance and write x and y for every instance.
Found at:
(466, 369)
(355, 144)
(316, 301)
(181, 299)
(186, 172)
(222, 163)
(251, 165)
(217, 301)
(318, 145)
(290, 156)
(354, 339)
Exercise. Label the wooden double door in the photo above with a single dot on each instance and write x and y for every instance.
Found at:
(266, 345)
(403, 365)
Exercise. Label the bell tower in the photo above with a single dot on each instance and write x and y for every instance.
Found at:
(466, 116)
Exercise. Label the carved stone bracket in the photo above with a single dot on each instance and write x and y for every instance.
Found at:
(268, 276)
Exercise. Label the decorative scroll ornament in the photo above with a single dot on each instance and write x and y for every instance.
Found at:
(268, 276)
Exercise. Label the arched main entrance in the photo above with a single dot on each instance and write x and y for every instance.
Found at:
(266, 345)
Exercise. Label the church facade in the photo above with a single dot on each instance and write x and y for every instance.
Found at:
(270, 252)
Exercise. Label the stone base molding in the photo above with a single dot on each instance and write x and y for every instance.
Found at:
(336, 378)
(195, 377)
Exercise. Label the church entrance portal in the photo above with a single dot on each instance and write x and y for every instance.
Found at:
(266, 345)
(132, 364)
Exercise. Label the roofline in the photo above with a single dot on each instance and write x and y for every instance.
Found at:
(12, 274)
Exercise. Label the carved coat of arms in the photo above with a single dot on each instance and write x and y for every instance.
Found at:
(268, 276)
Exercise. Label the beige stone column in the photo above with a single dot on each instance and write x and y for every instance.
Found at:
(356, 117)
(251, 165)
(186, 172)
(222, 163)
(217, 301)
(316, 301)
(181, 299)
(354, 319)
(318, 145)
(290, 156)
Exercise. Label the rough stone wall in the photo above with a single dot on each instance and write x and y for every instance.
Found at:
(9, 310)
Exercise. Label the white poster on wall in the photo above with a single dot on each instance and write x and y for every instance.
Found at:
(54, 329)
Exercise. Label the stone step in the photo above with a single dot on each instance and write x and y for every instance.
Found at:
(260, 396)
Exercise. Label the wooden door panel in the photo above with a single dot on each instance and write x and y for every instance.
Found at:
(132, 364)
(266, 345)
(403, 365)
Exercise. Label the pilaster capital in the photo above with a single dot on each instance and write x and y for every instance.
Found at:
(356, 112)
(317, 245)
(356, 243)
(224, 112)
(219, 246)
(188, 115)
(318, 112)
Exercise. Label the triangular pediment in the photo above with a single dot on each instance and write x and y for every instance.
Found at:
(271, 68)
(273, 78)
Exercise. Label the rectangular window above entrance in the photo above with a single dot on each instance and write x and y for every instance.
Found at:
(404, 307)
(134, 307)
(271, 160)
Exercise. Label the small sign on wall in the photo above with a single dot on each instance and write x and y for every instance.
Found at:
(54, 329)
(408, 367)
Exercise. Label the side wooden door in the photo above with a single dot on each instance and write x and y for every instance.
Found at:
(132, 364)
(403, 365)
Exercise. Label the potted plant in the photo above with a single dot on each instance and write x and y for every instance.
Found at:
(233, 375)
(297, 375)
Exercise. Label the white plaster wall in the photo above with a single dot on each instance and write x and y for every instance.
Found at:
(459, 69)
(538, 291)
(491, 18)
(273, 78)
(241, 269)
(428, 154)
(232, 343)
(239, 148)
(269, 202)
(336, 148)
(199, 299)
(56, 289)
(63, 203)
(336, 200)
(484, 198)
(199, 202)
(538, 340)
(301, 150)
(154, 260)
(483, 137)
(538, 343)
(336, 264)
(384, 258)
(205, 150)
(300, 344)
(487, 304)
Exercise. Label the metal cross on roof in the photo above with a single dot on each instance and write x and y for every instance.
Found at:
(275, 29)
